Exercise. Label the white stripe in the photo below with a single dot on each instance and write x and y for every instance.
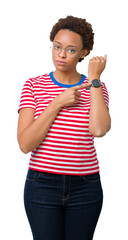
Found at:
(60, 162)
(64, 167)
(67, 140)
(28, 101)
(73, 137)
(67, 156)
(69, 121)
(67, 114)
(66, 117)
(76, 127)
(28, 94)
(73, 123)
(61, 134)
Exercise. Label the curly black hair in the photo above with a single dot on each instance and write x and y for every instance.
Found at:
(77, 25)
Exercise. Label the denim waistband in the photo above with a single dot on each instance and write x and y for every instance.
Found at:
(61, 175)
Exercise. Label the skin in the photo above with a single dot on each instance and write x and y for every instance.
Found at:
(32, 132)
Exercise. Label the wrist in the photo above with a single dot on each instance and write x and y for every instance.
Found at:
(90, 78)
(95, 83)
(57, 104)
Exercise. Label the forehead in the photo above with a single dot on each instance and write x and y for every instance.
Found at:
(67, 37)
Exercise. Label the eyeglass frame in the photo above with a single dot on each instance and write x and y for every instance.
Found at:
(57, 53)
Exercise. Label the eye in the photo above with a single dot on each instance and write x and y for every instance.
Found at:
(57, 47)
(71, 50)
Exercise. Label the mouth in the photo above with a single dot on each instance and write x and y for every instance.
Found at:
(60, 63)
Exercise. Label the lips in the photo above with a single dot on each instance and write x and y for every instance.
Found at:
(61, 63)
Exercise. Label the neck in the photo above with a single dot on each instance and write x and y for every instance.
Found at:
(67, 77)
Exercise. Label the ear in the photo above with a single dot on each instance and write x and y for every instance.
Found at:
(84, 53)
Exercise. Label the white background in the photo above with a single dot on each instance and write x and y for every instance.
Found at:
(25, 52)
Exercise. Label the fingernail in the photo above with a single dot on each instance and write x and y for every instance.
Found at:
(88, 88)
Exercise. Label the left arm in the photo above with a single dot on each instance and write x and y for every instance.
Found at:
(99, 121)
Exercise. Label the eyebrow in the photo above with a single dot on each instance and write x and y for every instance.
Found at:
(67, 46)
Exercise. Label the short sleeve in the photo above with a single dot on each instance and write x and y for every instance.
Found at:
(27, 99)
(105, 94)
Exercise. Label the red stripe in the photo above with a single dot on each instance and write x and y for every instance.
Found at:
(60, 146)
(71, 150)
(38, 165)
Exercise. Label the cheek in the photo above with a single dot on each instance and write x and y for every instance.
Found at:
(75, 60)
(53, 58)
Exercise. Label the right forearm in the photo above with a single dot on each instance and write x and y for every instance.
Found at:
(34, 134)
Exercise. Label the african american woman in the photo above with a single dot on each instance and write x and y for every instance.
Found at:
(60, 114)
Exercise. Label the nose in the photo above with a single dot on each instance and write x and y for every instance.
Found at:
(62, 53)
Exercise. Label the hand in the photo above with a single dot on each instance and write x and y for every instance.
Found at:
(70, 95)
(96, 67)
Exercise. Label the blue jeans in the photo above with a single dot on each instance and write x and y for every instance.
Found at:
(62, 207)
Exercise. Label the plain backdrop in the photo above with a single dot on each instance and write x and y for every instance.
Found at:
(25, 52)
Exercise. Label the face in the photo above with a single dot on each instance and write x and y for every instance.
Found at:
(67, 50)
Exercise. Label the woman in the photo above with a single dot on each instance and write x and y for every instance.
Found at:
(59, 115)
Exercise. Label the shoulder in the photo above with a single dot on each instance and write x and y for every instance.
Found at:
(38, 79)
(85, 79)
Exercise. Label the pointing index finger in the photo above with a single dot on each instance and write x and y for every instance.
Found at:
(78, 87)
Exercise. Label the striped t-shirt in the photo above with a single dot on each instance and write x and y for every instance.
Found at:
(68, 147)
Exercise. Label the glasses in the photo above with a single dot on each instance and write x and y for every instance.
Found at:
(70, 51)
